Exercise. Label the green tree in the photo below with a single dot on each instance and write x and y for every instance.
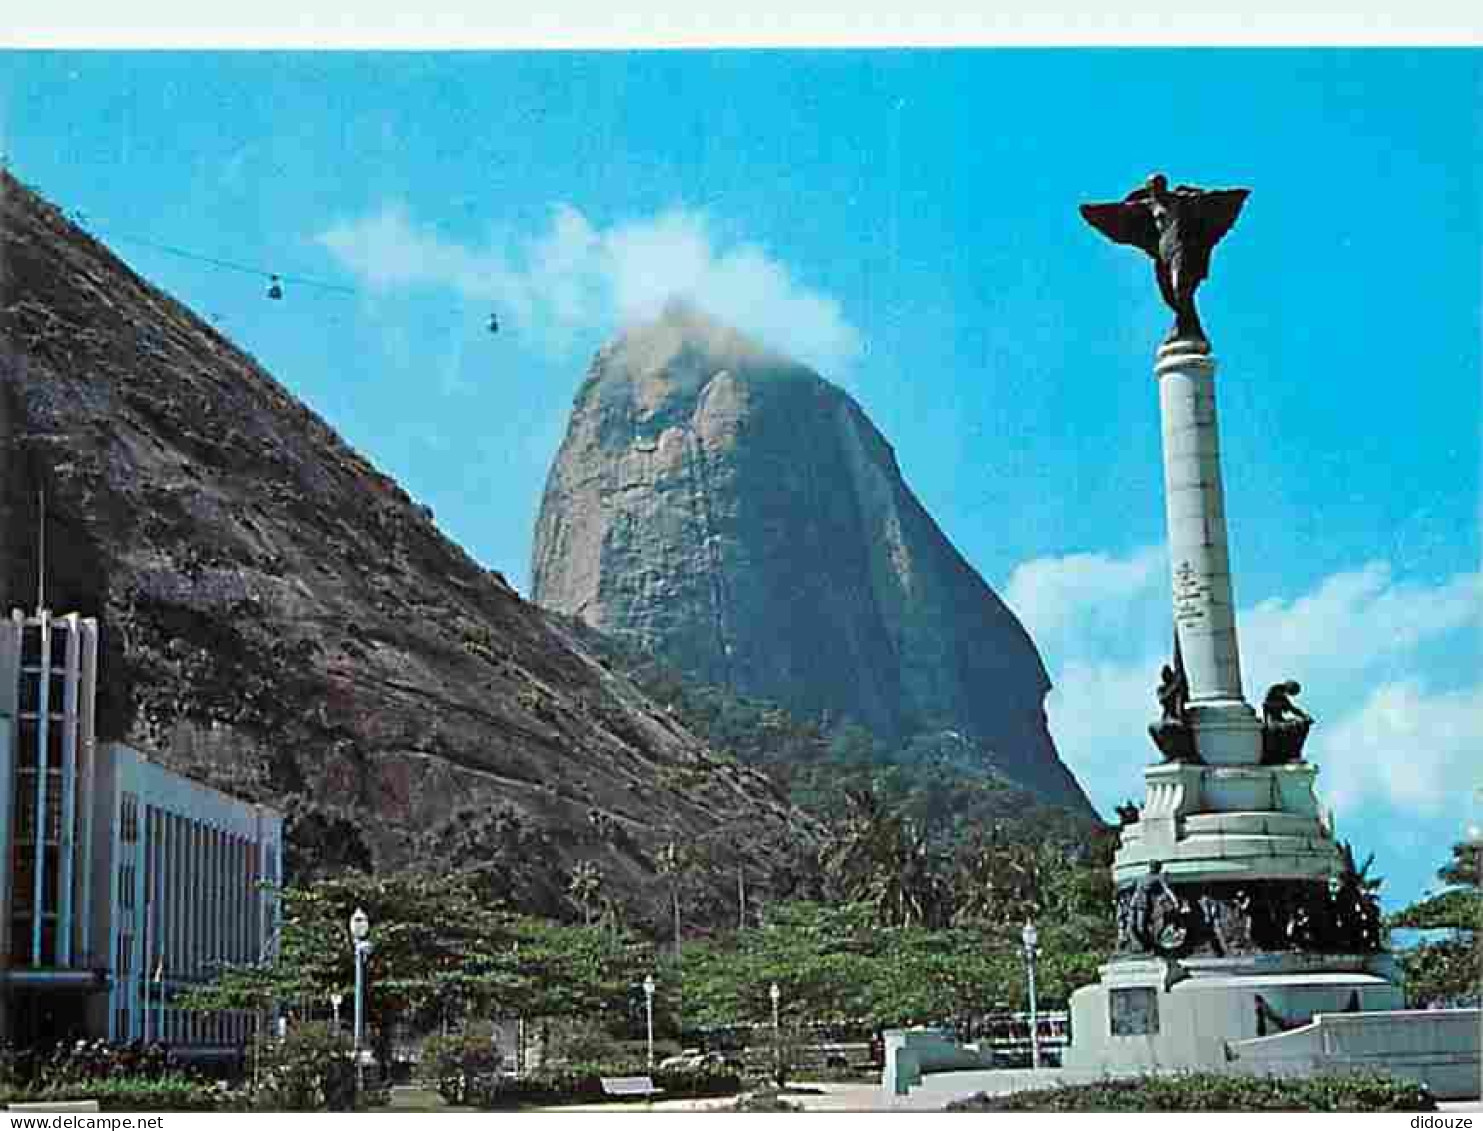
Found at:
(439, 952)
(585, 885)
(1463, 870)
(675, 862)
(881, 858)
(1448, 969)
(837, 964)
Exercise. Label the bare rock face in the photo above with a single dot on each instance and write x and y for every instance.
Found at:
(742, 515)
(277, 616)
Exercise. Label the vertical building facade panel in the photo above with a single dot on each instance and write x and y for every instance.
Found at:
(113, 869)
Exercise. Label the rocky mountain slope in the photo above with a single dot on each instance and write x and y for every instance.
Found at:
(733, 510)
(280, 618)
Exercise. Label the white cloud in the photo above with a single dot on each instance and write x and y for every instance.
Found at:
(1416, 748)
(1356, 624)
(1085, 604)
(1388, 668)
(574, 277)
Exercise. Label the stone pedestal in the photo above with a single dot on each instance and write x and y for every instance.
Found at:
(1249, 858)
(1150, 1014)
(1216, 823)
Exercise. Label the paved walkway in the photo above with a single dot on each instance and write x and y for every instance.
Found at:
(810, 1097)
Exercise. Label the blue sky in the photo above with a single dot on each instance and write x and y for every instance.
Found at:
(905, 221)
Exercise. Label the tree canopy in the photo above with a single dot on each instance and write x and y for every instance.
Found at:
(1447, 970)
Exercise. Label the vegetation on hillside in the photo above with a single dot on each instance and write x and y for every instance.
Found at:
(942, 780)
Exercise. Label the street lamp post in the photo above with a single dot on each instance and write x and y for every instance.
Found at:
(1029, 936)
(649, 1015)
(360, 930)
(1475, 840)
(777, 1032)
(335, 999)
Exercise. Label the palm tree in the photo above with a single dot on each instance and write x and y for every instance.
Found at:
(674, 863)
(584, 885)
(1353, 895)
(884, 859)
(1004, 881)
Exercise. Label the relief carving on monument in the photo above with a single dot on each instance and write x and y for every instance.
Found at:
(1227, 919)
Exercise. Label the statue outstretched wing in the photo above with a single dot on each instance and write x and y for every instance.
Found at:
(1125, 223)
(1218, 210)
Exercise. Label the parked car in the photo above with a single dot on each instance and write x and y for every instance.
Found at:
(694, 1058)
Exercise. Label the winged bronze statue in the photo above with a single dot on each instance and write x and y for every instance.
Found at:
(1178, 228)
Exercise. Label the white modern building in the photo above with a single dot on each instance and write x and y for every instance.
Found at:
(123, 883)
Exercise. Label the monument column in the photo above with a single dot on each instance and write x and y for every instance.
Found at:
(1226, 729)
(1199, 558)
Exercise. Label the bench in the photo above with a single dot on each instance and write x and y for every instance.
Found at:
(56, 1105)
(629, 1086)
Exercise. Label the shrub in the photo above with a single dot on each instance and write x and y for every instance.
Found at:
(544, 1086)
(706, 1080)
(83, 1061)
(171, 1092)
(459, 1064)
(582, 1041)
(311, 1069)
(583, 1084)
(1215, 1091)
(766, 1101)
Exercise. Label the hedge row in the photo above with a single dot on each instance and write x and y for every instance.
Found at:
(167, 1093)
(584, 1085)
(1216, 1091)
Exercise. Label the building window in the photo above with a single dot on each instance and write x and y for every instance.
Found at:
(23, 879)
(50, 883)
(121, 1022)
(126, 873)
(25, 806)
(48, 940)
(53, 806)
(20, 941)
(31, 644)
(129, 818)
